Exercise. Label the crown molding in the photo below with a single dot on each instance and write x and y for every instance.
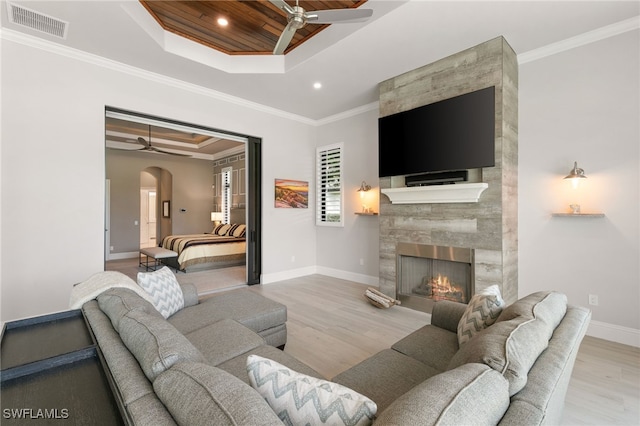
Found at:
(598, 34)
(58, 49)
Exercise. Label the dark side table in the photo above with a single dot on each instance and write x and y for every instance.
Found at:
(52, 371)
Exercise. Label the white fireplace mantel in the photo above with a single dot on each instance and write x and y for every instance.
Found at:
(452, 193)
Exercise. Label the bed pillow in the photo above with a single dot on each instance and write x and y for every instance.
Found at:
(483, 309)
(300, 399)
(164, 289)
(221, 229)
(237, 230)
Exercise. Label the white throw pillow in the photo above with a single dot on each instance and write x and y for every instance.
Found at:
(164, 289)
(298, 399)
(482, 311)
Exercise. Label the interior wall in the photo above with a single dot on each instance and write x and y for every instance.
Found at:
(53, 151)
(191, 197)
(583, 105)
(351, 252)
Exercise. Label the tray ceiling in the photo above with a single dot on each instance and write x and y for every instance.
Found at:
(253, 26)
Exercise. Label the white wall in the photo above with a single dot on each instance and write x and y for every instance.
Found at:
(583, 105)
(53, 170)
(352, 251)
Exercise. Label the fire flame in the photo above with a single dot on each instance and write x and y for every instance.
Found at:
(443, 289)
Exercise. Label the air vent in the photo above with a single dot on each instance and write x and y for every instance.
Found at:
(37, 21)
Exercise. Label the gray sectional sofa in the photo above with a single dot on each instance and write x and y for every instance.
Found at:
(191, 369)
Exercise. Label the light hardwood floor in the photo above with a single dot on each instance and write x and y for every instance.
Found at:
(331, 327)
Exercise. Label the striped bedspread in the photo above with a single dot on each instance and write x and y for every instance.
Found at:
(205, 248)
(179, 243)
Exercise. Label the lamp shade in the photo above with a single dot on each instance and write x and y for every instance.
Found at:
(216, 216)
(576, 174)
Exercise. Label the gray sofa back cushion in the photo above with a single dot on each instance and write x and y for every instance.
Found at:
(472, 394)
(155, 343)
(117, 302)
(512, 345)
(200, 394)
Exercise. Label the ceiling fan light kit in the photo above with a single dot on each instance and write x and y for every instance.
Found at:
(297, 18)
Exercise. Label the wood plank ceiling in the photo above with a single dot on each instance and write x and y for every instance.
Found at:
(254, 26)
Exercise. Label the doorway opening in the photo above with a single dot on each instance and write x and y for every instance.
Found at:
(148, 146)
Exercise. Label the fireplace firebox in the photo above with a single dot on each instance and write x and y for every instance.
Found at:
(428, 273)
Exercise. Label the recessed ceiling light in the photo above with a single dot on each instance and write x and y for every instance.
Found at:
(317, 85)
(223, 22)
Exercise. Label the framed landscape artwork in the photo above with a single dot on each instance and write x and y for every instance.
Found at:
(292, 194)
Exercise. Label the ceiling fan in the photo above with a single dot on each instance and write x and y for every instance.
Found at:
(146, 146)
(297, 18)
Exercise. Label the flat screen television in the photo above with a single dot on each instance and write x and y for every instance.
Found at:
(453, 134)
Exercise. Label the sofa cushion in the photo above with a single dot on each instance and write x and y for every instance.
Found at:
(250, 309)
(164, 289)
(224, 340)
(117, 302)
(155, 343)
(483, 309)
(200, 394)
(299, 399)
(514, 342)
(385, 376)
(238, 365)
(420, 345)
(472, 394)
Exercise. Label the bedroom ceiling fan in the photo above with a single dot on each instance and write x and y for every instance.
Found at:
(297, 18)
(146, 146)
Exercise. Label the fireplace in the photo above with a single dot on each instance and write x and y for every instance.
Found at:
(428, 273)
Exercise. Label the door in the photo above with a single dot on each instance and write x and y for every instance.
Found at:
(148, 216)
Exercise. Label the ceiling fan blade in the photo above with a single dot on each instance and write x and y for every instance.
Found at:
(143, 142)
(282, 5)
(285, 39)
(338, 16)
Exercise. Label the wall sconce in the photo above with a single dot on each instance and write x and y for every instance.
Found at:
(216, 217)
(364, 188)
(576, 175)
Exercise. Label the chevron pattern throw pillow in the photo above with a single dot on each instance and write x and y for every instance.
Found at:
(298, 399)
(164, 289)
(482, 311)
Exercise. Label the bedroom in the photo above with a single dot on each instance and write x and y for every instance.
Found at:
(167, 181)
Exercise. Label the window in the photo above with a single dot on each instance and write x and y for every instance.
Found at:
(226, 194)
(329, 185)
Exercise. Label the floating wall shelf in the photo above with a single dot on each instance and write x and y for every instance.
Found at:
(367, 214)
(593, 215)
(453, 193)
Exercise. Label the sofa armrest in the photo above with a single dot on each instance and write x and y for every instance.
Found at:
(446, 314)
(190, 294)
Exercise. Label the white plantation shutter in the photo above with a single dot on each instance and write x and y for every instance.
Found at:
(329, 185)
(226, 194)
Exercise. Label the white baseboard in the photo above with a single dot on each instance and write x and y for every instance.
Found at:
(350, 276)
(124, 255)
(287, 275)
(614, 333)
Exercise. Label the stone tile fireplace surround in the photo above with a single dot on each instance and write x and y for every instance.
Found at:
(489, 226)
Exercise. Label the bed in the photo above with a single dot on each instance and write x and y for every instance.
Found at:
(224, 246)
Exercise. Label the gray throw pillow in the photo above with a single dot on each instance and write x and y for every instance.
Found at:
(164, 289)
(299, 399)
(155, 343)
(483, 310)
